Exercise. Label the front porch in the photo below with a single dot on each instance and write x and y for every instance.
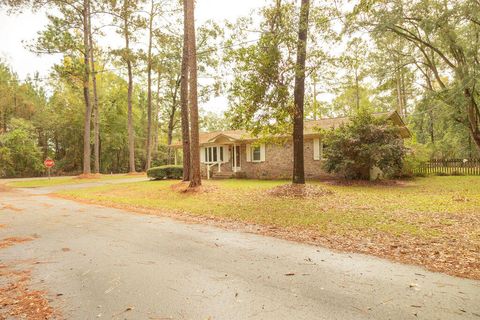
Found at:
(221, 161)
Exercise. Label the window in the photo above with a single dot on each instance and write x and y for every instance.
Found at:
(256, 153)
(213, 154)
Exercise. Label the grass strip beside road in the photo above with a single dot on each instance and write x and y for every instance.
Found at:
(56, 181)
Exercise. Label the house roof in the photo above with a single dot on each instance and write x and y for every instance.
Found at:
(311, 127)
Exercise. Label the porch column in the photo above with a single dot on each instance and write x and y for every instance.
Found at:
(234, 158)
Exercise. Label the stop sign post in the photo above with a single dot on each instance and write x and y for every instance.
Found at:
(48, 163)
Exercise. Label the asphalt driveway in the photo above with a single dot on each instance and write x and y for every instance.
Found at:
(98, 262)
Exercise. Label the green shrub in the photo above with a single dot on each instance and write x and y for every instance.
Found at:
(363, 143)
(165, 172)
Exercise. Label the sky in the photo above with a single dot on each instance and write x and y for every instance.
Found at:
(16, 31)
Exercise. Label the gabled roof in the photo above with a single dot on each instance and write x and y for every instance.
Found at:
(232, 135)
(311, 127)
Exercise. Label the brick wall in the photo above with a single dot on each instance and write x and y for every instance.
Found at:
(279, 162)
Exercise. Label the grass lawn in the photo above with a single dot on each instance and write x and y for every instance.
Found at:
(55, 181)
(434, 221)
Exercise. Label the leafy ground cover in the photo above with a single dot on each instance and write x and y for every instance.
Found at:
(433, 222)
(55, 181)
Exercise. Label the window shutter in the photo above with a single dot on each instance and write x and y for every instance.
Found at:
(202, 155)
(249, 153)
(316, 149)
(321, 150)
(262, 152)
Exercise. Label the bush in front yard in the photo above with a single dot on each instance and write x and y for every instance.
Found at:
(363, 143)
(165, 172)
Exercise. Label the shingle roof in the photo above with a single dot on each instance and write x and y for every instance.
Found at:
(310, 128)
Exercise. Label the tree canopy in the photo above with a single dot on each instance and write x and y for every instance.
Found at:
(123, 98)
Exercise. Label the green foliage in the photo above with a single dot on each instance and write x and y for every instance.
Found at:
(165, 172)
(363, 143)
(261, 93)
(19, 153)
(432, 124)
(210, 121)
(417, 155)
(440, 40)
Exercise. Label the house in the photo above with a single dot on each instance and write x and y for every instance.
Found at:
(236, 153)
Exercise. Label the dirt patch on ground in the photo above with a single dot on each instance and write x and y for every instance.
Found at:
(8, 242)
(12, 208)
(46, 205)
(17, 300)
(136, 174)
(89, 176)
(4, 188)
(366, 183)
(183, 187)
(298, 191)
(452, 256)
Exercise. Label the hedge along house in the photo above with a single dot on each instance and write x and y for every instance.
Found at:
(236, 153)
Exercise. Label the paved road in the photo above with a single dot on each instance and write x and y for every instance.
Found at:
(104, 261)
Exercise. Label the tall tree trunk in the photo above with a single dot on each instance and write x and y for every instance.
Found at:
(184, 97)
(357, 91)
(57, 146)
(149, 88)
(96, 123)
(473, 116)
(195, 177)
(131, 132)
(86, 90)
(171, 151)
(299, 96)
(404, 94)
(431, 127)
(171, 119)
(399, 93)
(156, 118)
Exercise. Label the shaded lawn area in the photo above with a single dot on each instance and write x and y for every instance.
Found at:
(56, 181)
(434, 221)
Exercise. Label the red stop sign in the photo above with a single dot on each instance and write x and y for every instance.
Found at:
(49, 163)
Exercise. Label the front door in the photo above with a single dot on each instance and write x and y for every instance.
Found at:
(236, 159)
